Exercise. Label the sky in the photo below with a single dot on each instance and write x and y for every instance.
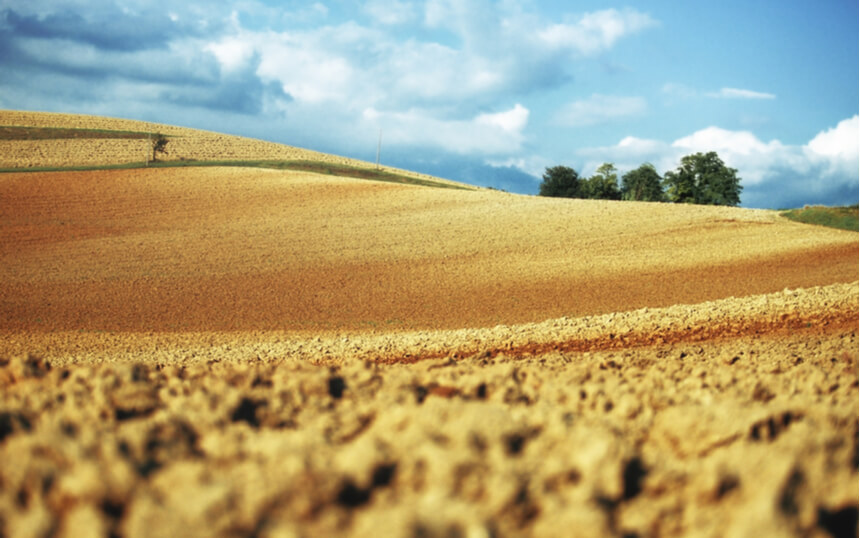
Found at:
(486, 92)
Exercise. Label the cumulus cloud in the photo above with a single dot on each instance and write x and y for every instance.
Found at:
(600, 109)
(732, 142)
(674, 89)
(840, 142)
(484, 134)
(595, 32)
(825, 170)
(232, 52)
(510, 121)
(735, 93)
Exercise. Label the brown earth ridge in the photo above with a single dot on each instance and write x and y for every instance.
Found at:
(237, 352)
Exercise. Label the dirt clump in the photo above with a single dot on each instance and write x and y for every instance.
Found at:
(748, 434)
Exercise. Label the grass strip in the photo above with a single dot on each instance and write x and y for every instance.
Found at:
(15, 132)
(317, 167)
(841, 217)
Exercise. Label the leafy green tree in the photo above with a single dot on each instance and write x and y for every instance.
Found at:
(642, 184)
(703, 178)
(159, 145)
(603, 185)
(560, 181)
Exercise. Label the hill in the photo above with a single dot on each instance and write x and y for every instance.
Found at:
(235, 350)
(45, 140)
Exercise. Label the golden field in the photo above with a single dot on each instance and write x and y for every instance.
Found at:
(184, 145)
(237, 351)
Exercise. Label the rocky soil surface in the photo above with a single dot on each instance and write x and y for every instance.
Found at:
(744, 423)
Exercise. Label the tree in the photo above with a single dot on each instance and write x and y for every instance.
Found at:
(642, 184)
(703, 178)
(603, 185)
(159, 145)
(560, 181)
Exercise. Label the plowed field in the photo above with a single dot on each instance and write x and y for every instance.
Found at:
(242, 249)
(227, 351)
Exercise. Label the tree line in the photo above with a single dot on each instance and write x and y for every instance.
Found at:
(701, 178)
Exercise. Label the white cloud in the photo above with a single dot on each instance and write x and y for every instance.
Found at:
(840, 142)
(640, 147)
(735, 93)
(838, 147)
(417, 72)
(232, 53)
(307, 72)
(595, 32)
(485, 134)
(308, 75)
(354, 67)
(600, 109)
(683, 91)
(734, 142)
(754, 159)
(511, 121)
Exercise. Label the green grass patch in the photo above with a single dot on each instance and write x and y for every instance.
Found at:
(317, 167)
(12, 132)
(843, 217)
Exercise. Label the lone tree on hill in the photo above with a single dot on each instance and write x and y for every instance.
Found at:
(561, 182)
(159, 145)
(642, 184)
(603, 185)
(703, 178)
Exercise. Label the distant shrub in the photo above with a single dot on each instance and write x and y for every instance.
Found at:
(159, 145)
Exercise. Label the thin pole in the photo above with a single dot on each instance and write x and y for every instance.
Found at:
(378, 149)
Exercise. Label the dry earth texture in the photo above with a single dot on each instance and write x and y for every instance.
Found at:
(242, 352)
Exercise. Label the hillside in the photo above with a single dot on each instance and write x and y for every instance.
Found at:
(52, 140)
(243, 351)
(247, 249)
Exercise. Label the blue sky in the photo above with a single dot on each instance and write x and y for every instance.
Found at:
(486, 92)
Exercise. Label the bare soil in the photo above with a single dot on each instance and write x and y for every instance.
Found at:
(227, 351)
(222, 249)
(743, 422)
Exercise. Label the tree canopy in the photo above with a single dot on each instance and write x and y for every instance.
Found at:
(703, 178)
(603, 185)
(159, 145)
(560, 181)
(642, 184)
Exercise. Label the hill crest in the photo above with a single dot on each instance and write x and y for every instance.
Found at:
(18, 151)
